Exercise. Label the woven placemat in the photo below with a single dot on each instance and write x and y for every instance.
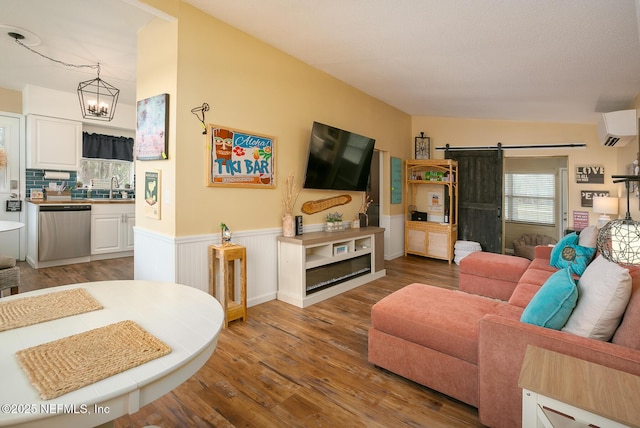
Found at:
(70, 363)
(33, 310)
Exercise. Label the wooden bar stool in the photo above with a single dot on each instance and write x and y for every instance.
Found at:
(222, 261)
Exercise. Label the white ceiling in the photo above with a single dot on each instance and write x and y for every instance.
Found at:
(76, 32)
(538, 60)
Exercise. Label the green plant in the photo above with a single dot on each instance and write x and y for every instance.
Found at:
(334, 217)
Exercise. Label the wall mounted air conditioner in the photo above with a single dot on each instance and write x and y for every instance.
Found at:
(618, 128)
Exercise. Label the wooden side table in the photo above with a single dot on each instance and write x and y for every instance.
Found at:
(222, 260)
(588, 392)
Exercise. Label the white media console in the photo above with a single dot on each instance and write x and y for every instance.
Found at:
(315, 266)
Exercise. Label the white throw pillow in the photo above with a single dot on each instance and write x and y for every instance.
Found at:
(603, 294)
(588, 237)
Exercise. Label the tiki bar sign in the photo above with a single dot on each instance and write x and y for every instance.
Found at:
(240, 158)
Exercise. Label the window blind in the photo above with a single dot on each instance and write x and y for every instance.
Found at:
(530, 197)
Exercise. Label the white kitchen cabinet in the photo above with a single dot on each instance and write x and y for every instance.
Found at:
(112, 230)
(53, 143)
(129, 223)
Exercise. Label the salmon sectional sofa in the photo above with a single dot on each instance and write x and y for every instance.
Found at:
(470, 343)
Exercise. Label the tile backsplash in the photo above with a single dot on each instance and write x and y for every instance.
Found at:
(35, 180)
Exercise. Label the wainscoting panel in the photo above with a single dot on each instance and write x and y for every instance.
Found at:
(189, 263)
(393, 236)
(184, 260)
(153, 256)
(192, 260)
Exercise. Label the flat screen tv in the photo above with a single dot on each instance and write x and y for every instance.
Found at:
(338, 159)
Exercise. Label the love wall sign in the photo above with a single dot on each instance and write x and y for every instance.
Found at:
(592, 174)
(239, 158)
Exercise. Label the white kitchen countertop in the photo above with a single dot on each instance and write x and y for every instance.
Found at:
(81, 201)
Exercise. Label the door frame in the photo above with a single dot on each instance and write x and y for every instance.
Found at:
(22, 215)
(563, 208)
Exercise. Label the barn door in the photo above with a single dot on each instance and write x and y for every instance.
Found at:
(480, 175)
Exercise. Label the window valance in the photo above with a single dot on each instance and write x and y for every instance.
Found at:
(107, 147)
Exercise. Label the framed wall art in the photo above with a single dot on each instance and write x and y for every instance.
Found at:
(592, 174)
(238, 158)
(422, 147)
(580, 220)
(396, 180)
(152, 137)
(152, 189)
(586, 196)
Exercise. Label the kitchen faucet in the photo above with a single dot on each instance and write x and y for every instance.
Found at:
(111, 187)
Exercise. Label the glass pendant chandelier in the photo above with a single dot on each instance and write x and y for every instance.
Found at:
(98, 99)
(619, 240)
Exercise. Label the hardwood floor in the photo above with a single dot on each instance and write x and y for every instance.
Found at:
(103, 270)
(292, 367)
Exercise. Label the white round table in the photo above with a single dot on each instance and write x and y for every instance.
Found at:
(185, 318)
(6, 226)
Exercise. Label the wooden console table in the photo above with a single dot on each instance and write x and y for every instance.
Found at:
(588, 392)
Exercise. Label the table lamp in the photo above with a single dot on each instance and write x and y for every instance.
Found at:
(605, 205)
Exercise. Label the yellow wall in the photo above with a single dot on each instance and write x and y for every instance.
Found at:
(626, 155)
(475, 132)
(157, 74)
(10, 101)
(254, 87)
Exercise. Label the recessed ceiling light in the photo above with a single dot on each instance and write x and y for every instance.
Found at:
(25, 36)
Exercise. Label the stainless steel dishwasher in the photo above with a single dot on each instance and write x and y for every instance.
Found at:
(64, 231)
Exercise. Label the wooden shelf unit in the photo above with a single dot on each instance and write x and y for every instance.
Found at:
(431, 179)
(315, 266)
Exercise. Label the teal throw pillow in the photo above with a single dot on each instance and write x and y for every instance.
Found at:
(568, 254)
(568, 240)
(552, 305)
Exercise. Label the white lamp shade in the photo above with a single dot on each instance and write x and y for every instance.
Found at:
(605, 205)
